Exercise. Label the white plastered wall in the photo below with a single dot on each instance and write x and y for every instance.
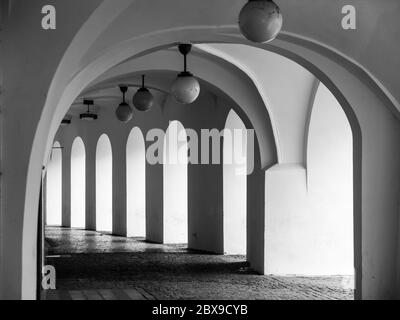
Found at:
(309, 211)
(136, 184)
(104, 184)
(235, 185)
(175, 185)
(54, 187)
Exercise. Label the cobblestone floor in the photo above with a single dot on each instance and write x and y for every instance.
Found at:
(87, 260)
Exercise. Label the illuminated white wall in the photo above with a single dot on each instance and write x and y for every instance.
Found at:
(309, 211)
(330, 180)
(235, 185)
(54, 188)
(104, 184)
(136, 184)
(175, 184)
(78, 184)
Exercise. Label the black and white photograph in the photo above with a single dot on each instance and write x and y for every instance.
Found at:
(198, 156)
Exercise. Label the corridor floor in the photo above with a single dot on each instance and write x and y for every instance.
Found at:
(98, 266)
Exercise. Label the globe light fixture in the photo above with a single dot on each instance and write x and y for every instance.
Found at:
(260, 20)
(124, 112)
(186, 88)
(88, 116)
(143, 100)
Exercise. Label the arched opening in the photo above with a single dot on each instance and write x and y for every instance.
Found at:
(104, 180)
(78, 184)
(136, 184)
(341, 76)
(175, 156)
(165, 211)
(235, 185)
(54, 187)
(330, 185)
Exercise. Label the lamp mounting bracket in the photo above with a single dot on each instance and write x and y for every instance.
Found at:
(88, 102)
(185, 48)
(123, 88)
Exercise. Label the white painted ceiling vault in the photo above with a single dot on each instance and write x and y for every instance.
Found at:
(284, 88)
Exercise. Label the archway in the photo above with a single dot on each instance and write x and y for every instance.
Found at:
(175, 156)
(372, 159)
(235, 185)
(54, 187)
(104, 181)
(78, 184)
(136, 184)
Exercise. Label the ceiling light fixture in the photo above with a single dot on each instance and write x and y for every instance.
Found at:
(124, 112)
(186, 88)
(65, 122)
(143, 100)
(260, 20)
(88, 116)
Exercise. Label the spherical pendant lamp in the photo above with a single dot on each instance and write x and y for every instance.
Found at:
(186, 88)
(124, 111)
(260, 20)
(143, 100)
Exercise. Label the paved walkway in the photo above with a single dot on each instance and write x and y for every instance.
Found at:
(95, 266)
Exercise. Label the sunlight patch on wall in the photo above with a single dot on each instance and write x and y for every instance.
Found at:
(78, 184)
(104, 181)
(235, 185)
(54, 187)
(136, 184)
(175, 184)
